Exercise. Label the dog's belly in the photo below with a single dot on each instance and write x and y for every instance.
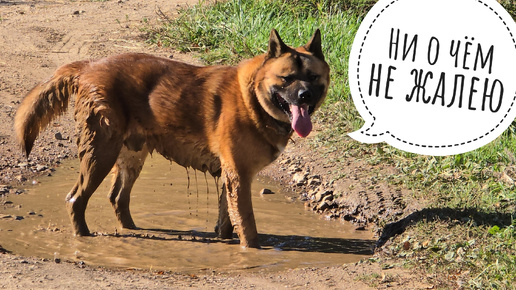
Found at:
(188, 153)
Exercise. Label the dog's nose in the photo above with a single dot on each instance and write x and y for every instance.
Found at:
(304, 95)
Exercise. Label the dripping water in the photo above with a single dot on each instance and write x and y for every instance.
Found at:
(188, 193)
(207, 199)
(196, 194)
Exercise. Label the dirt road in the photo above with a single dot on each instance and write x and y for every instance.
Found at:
(38, 36)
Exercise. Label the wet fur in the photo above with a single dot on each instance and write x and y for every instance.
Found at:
(216, 119)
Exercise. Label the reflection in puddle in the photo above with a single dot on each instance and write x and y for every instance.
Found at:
(176, 226)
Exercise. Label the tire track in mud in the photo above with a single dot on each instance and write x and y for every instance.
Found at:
(72, 44)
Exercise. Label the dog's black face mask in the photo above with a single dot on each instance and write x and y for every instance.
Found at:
(299, 94)
(295, 82)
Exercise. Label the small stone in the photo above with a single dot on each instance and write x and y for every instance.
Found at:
(41, 167)
(323, 205)
(450, 256)
(294, 168)
(299, 178)
(4, 189)
(23, 164)
(20, 178)
(313, 191)
(59, 136)
(321, 194)
(461, 252)
(266, 191)
(304, 197)
(507, 179)
(314, 180)
(328, 198)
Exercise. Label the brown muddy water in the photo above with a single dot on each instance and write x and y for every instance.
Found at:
(176, 224)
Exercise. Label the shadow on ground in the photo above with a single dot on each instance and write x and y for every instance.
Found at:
(267, 241)
(444, 214)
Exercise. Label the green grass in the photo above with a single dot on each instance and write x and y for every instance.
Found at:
(470, 255)
(230, 31)
(479, 238)
(510, 6)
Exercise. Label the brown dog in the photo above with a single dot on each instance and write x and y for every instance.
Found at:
(229, 121)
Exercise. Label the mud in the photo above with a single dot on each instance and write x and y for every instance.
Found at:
(176, 221)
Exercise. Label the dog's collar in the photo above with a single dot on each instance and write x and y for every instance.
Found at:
(280, 127)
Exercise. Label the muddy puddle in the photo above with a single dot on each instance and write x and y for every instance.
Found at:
(176, 226)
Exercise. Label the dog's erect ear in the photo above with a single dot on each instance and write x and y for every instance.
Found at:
(276, 45)
(314, 45)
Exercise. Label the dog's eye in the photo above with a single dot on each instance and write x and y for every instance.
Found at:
(287, 79)
(312, 77)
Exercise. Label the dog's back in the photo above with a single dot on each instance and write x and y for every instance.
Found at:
(133, 96)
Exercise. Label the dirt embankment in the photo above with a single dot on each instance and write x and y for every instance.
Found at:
(340, 186)
(38, 36)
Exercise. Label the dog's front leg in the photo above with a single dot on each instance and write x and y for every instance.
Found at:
(240, 207)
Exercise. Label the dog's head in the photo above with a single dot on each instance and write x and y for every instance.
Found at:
(292, 83)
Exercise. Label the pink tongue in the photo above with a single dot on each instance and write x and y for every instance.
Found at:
(301, 120)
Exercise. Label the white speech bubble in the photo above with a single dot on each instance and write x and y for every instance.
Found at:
(435, 77)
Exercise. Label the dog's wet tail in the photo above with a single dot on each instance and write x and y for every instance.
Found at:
(44, 103)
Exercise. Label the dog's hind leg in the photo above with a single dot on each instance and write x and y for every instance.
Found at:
(224, 228)
(98, 147)
(127, 169)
